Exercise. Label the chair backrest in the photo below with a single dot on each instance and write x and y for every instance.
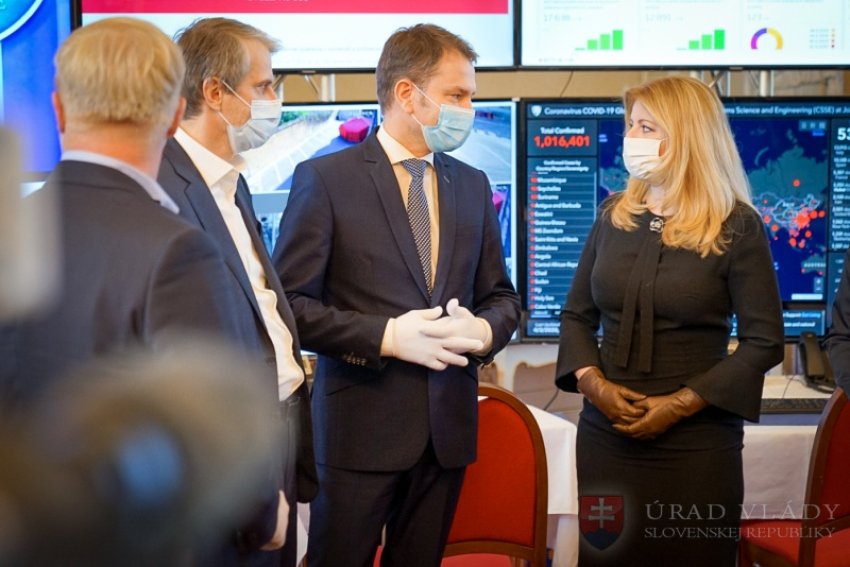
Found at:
(502, 505)
(827, 507)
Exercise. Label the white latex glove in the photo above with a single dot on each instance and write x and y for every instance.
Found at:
(459, 323)
(436, 352)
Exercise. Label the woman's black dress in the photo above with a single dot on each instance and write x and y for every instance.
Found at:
(666, 317)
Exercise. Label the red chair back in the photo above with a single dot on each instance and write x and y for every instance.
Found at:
(828, 487)
(502, 506)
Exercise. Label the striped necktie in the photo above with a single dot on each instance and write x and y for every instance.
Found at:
(417, 214)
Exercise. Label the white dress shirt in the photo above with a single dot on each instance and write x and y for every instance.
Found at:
(221, 177)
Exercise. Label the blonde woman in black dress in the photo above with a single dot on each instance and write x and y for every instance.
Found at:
(667, 264)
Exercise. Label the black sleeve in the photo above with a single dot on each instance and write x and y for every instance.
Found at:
(495, 299)
(578, 346)
(301, 258)
(735, 384)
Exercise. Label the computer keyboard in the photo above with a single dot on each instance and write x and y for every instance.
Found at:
(793, 405)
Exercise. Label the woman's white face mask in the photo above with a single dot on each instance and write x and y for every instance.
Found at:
(641, 156)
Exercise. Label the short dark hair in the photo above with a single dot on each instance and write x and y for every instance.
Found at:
(414, 53)
(212, 47)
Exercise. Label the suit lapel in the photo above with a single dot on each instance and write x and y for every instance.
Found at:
(387, 187)
(203, 204)
(246, 208)
(446, 199)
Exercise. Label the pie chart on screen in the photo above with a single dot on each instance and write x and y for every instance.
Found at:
(774, 39)
(14, 14)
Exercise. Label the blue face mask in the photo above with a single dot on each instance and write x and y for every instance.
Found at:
(454, 124)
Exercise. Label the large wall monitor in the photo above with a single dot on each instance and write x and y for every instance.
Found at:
(334, 35)
(30, 34)
(685, 33)
(317, 129)
(795, 152)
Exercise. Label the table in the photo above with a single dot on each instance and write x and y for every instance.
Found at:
(776, 455)
(559, 439)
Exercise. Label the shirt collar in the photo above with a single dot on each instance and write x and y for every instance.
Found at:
(396, 151)
(213, 169)
(148, 183)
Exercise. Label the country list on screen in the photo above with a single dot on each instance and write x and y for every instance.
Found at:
(562, 179)
(840, 206)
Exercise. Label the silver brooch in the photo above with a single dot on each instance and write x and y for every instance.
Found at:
(656, 224)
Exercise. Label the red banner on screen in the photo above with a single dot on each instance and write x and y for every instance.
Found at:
(295, 6)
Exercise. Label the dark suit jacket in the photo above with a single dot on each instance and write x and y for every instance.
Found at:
(131, 270)
(183, 182)
(347, 259)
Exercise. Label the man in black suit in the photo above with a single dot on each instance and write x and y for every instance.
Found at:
(134, 274)
(132, 270)
(231, 107)
(395, 389)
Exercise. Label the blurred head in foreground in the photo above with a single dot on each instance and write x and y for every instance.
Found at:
(137, 459)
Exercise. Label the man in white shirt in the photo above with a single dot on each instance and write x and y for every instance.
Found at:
(231, 107)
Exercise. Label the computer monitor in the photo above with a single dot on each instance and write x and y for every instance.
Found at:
(30, 34)
(311, 130)
(794, 152)
(334, 35)
(690, 34)
(306, 131)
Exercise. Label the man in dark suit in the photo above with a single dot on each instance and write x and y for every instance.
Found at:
(394, 395)
(231, 107)
(134, 274)
(132, 270)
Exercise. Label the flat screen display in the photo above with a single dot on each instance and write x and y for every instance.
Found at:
(317, 129)
(334, 35)
(795, 153)
(684, 33)
(30, 33)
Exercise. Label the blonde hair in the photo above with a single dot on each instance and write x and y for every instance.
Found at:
(213, 48)
(119, 70)
(700, 170)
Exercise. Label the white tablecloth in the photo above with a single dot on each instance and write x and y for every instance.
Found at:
(559, 438)
(776, 457)
(776, 465)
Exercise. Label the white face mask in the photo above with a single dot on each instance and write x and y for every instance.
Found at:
(641, 156)
(263, 123)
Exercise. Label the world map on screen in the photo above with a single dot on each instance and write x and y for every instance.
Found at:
(787, 166)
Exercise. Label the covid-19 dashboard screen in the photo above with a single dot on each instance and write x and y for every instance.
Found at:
(795, 153)
(685, 33)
